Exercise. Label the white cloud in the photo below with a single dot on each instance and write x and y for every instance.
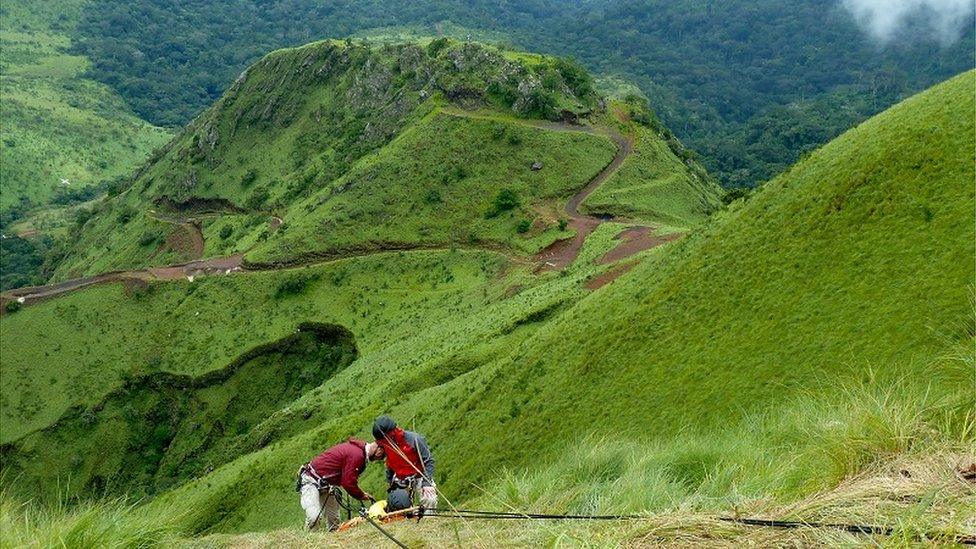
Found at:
(885, 20)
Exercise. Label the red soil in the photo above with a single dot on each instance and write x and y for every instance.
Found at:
(634, 240)
(609, 276)
(562, 253)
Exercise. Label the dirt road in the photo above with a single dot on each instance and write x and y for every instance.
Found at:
(561, 254)
(557, 256)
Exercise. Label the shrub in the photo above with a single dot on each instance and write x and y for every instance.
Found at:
(575, 77)
(736, 193)
(433, 196)
(524, 226)
(125, 215)
(12, 306)
(250, 176)
(507, 199)
(225, 232)
(294, 284)
(562, 224)
(257, 199)
(542, 103)
(436, 46)
(149, 238)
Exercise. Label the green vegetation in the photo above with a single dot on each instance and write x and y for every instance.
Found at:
(654, 185)
(159, 429)
(362, 148)
(816, 279)
(660, 181)
(381, 201)
(813, 337)
(21, 261)
(57, 124)
(192, 329)
(752, 85)
(111, 523)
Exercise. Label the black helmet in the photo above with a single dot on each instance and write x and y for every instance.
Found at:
(383, 425)
(397, 500)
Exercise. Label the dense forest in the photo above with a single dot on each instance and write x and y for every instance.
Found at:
(751, 85)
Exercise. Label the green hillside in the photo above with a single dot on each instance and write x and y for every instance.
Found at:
(360, 148)
(771, 355)
(822, 329)
(855, 267)
(660, 183)
(57, 124)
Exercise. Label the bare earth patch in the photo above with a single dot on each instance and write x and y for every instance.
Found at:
(634, 240)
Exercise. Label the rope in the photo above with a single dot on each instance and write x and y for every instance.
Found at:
(864, 529)
(362, 513)
(502, 515)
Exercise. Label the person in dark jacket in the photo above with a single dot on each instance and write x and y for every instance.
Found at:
(409, 462)
(319, 480)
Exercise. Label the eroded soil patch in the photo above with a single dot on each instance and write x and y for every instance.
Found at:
(634, 240)
(562, 253)
(609, 276)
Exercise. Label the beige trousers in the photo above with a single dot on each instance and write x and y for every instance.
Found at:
(313, 503)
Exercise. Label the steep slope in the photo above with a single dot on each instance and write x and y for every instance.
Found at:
(58, 124)
(816, 329)
(822, 327)
(858, 259)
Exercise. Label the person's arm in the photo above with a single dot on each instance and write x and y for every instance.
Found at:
(389, 476)
(420, 444)
(350, 479)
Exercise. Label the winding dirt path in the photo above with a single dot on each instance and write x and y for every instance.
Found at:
(556, 256)
(562, 253)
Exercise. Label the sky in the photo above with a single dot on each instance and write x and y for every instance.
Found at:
(893, 20)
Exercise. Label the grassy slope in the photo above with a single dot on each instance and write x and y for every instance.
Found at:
(858, 258)
(307, 133)
(191, 329)
(56, 123)
(655, 185)
(435, 183)
(422, 320)
(740, 363)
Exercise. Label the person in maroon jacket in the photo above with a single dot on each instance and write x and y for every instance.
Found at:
(319, 480)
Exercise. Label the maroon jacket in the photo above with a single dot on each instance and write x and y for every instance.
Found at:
(342, 464)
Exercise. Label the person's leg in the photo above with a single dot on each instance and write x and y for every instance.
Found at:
(310, 503)
(331, 509)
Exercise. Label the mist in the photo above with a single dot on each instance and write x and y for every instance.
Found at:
(895, 20)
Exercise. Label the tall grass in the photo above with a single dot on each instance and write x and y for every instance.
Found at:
(812, 444)
(111, 523)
